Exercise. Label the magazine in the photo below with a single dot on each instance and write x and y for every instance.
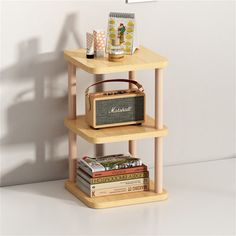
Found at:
(109, 162)
(123, 27)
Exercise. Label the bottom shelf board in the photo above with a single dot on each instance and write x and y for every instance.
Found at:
(116, 200)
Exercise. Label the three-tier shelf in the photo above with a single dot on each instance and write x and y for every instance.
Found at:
(142, 59)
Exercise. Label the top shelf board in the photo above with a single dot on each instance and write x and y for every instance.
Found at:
(142, 59)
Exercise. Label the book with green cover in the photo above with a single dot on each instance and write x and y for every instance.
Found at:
(113, 178)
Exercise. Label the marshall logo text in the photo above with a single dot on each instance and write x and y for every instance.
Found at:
(119, 110)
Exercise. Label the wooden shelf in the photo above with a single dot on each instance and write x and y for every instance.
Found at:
(142, 59)
(116, 200)
(114, 134)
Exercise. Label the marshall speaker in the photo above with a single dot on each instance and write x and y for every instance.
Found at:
(115, 107)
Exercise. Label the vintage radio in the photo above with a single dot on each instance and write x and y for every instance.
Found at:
(116, 107)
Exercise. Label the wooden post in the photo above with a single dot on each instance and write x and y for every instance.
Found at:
(72, 156)
(72, 115)
(158, 125)
(132, 143)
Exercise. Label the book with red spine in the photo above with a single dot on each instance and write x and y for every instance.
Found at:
(130, 170)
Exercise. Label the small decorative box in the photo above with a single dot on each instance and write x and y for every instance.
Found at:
(99, 43)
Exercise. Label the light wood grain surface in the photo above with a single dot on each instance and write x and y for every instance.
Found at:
(72, 139)
(142, 59)
(114, 134)
(158, 143)
(116, 200)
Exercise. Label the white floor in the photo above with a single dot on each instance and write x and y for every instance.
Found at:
(201, 202)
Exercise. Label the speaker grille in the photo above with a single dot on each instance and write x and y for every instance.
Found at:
(119, 110)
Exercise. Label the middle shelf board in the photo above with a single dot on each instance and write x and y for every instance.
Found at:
(114, 134)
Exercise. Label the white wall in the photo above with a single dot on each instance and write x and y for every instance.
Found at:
(198, 37)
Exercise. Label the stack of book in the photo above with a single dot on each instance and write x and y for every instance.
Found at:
(112, 174)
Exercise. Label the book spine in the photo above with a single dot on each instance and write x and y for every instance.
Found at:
(83, 188)
(84, 175)
(112, 191)
(85, 168)
(121, 190)
(92, 164)
(113, 184)
(119, 171)
(113, 178)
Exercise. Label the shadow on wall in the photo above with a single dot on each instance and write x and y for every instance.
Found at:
(38, 121)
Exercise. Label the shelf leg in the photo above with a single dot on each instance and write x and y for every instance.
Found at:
(72, 115)
(132, 143)
(99, 148)
(72, 156)
(159, 125)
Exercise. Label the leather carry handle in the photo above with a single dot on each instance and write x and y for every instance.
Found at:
(139, 86)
